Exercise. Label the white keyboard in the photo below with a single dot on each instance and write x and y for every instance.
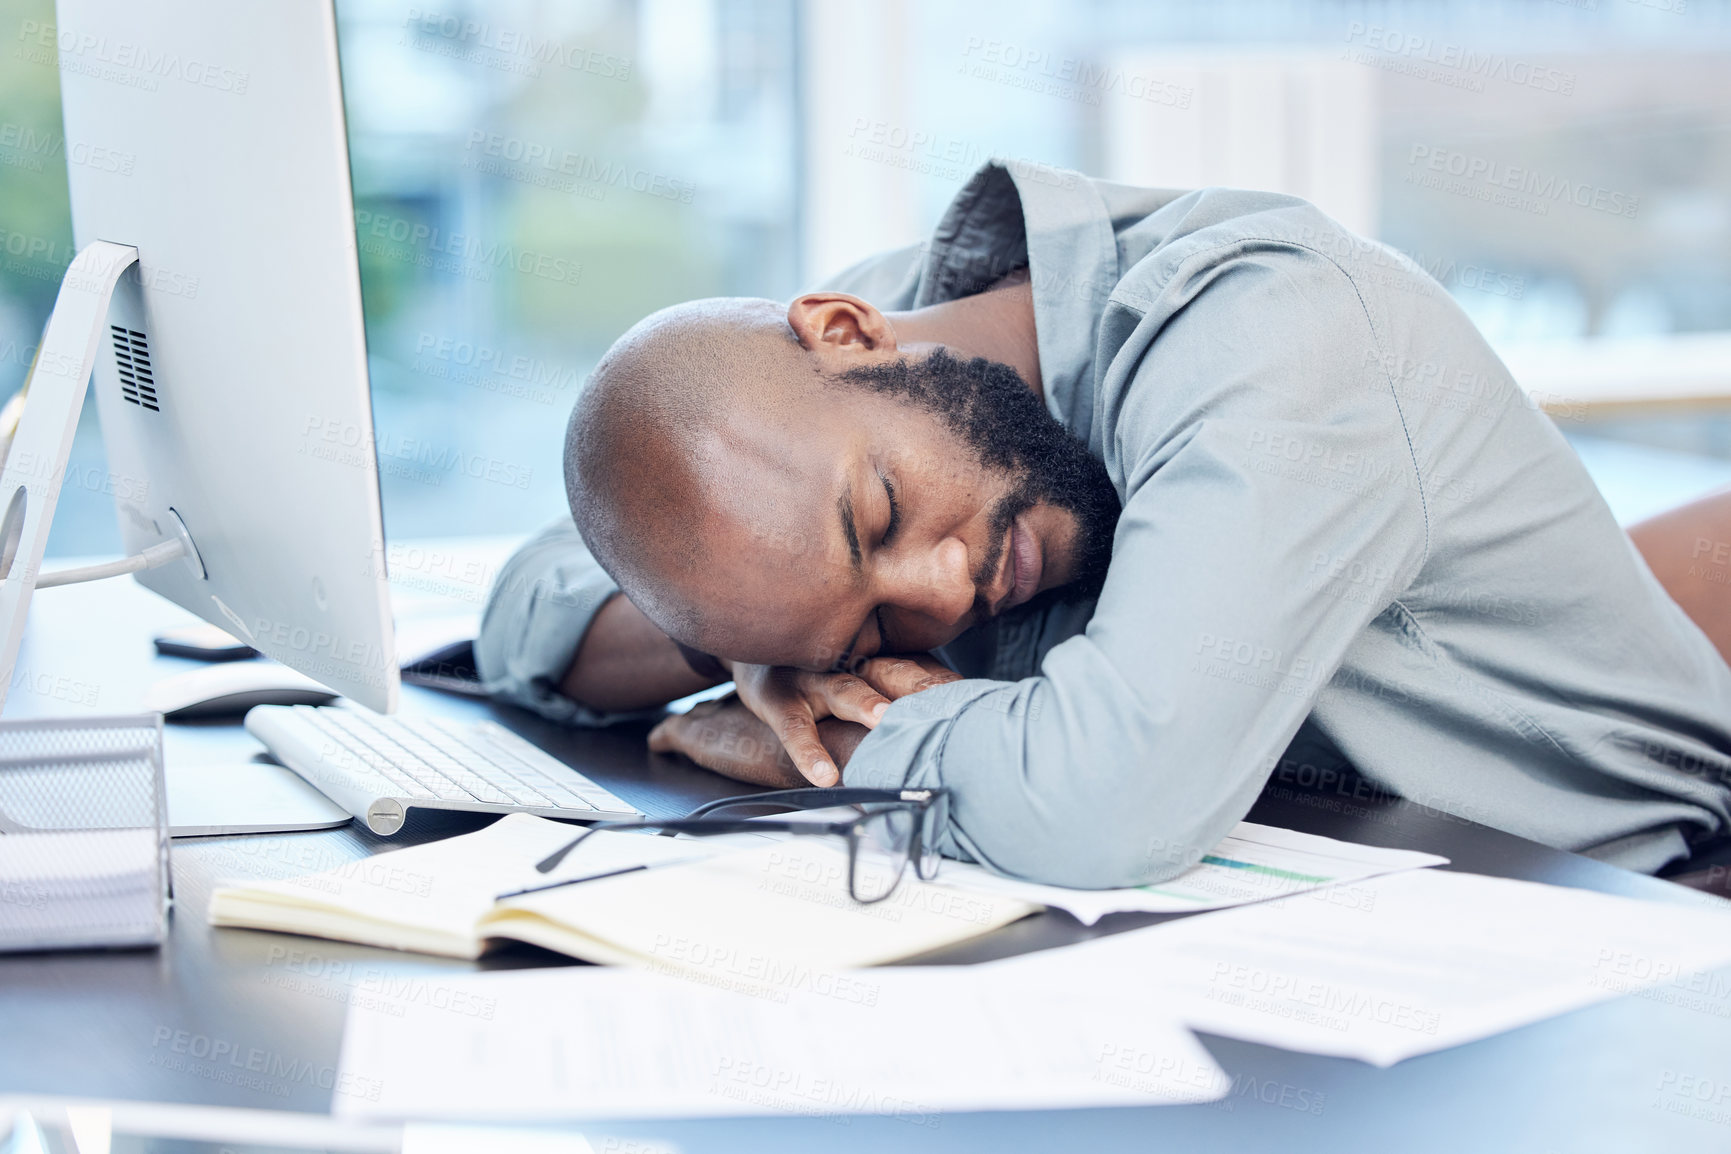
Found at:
(378, 767)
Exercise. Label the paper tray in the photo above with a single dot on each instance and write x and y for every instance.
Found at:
(83, 833)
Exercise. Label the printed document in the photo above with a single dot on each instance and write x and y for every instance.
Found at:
(1396, 966)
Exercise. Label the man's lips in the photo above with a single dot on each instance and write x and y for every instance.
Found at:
(1024, 564)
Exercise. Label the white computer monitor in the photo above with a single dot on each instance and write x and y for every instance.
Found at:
(230, 368)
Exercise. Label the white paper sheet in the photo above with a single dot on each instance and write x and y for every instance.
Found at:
(1386, 969)
(1251, 864)
(80, 887)
(911, 1042)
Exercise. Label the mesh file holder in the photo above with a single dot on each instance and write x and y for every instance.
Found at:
(83, 833)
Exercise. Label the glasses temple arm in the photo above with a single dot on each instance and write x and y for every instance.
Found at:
(790, 797)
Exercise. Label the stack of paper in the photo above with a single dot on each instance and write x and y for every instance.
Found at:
(74, 888)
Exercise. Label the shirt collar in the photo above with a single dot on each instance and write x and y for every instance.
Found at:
(1014, 213)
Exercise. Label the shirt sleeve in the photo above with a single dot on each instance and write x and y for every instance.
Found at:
(537, 613)
(1259, 452)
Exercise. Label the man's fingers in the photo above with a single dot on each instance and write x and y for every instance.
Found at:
(731, 740)
(851, 698)
(797, 730)
(684, 733)
(895, 677)
(663, 738)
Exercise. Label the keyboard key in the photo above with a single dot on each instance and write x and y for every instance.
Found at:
(383, 754)
(559, 782)
(506, 771)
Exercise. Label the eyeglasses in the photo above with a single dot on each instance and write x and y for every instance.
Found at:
(895, 828)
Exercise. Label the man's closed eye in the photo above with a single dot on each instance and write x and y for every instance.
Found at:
(895, 517)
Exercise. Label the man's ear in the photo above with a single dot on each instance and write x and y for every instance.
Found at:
(839, 325)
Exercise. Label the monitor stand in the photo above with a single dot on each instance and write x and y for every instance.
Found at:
(36, 462)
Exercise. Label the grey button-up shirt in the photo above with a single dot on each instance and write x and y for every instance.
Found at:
(1348, 538)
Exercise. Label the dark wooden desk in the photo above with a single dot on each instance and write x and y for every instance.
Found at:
(123, 1025)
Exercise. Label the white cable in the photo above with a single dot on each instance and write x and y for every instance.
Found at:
(155, 556)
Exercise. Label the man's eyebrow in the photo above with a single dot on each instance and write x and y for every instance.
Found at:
(844, 507)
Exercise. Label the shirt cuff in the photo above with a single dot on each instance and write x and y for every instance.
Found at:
(905, 749)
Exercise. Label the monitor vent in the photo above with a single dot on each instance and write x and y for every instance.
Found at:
(132, 361)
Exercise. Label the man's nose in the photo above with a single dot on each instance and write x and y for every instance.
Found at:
(939, 584)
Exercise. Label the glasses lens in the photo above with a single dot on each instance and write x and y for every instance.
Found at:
(934, 820)
(881, 853)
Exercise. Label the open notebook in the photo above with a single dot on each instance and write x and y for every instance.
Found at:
(734, 915)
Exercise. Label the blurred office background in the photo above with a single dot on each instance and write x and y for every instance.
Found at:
(532, 176)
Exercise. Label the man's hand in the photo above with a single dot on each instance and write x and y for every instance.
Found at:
(727, 737)
(793, 702)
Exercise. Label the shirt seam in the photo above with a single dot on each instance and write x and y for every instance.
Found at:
(1438, 653)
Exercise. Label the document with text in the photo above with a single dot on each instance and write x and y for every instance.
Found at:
(1420, 961)
(1251, 864)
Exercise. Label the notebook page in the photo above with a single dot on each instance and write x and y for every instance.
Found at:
(741, 918)
(429, 897)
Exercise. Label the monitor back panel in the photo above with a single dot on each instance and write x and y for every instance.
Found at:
(232, 385)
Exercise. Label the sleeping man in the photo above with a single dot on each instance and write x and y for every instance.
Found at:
(1097, 508)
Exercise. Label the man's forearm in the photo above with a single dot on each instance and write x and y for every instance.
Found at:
(625, 663)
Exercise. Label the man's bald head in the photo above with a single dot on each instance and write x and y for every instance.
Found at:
(642, 434)
(792, 485)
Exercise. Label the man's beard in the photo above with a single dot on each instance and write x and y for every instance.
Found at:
(991, 408)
